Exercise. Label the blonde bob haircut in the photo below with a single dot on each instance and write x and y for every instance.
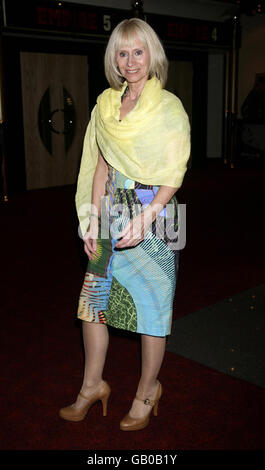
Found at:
(122, 36)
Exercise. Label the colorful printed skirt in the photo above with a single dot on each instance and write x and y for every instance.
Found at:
(132, 288)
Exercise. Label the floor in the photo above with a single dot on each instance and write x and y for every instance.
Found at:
(228, 336)
(213, 373)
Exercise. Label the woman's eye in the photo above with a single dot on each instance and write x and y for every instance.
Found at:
(122, 54)
(139, 52)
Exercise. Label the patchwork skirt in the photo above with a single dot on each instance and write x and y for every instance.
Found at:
(132, 288)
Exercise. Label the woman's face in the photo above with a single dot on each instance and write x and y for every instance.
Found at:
(134, 61)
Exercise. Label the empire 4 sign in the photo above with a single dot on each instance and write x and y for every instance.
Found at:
(89, 20)
(192, 31)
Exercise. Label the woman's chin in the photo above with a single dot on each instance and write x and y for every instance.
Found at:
(135, 78)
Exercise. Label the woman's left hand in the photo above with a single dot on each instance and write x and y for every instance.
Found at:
(135, 230)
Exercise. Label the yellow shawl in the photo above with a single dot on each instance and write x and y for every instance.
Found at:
(150, 145)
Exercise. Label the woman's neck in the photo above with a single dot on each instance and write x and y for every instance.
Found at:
(135, 90)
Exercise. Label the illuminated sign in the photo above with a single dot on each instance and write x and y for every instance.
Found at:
(89, 20)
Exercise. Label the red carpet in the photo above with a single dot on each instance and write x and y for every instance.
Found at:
(41, 353)
(201, 409)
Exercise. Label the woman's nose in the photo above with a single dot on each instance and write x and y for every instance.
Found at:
(130, 60)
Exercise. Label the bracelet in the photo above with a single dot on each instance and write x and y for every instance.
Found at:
(94, 215)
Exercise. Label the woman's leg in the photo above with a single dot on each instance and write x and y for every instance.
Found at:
(153, 351)
(96, 341)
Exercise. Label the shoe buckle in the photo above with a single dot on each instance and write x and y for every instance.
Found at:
(147, 401)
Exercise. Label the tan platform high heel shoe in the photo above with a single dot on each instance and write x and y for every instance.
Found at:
(70, 413)
(135, 424)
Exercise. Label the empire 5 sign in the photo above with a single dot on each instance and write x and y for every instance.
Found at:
(75, 19)
(60, 17)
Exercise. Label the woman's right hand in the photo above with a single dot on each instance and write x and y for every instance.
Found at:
(90, 239)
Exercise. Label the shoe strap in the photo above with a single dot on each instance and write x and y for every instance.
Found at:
(146, 401)
(83, 396)
(89, 398)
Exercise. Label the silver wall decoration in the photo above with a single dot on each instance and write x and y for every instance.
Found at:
(47, 120)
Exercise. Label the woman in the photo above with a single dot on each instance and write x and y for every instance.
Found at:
(134, 159)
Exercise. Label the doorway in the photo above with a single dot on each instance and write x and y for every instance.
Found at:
(179, 82)
(55, 115)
